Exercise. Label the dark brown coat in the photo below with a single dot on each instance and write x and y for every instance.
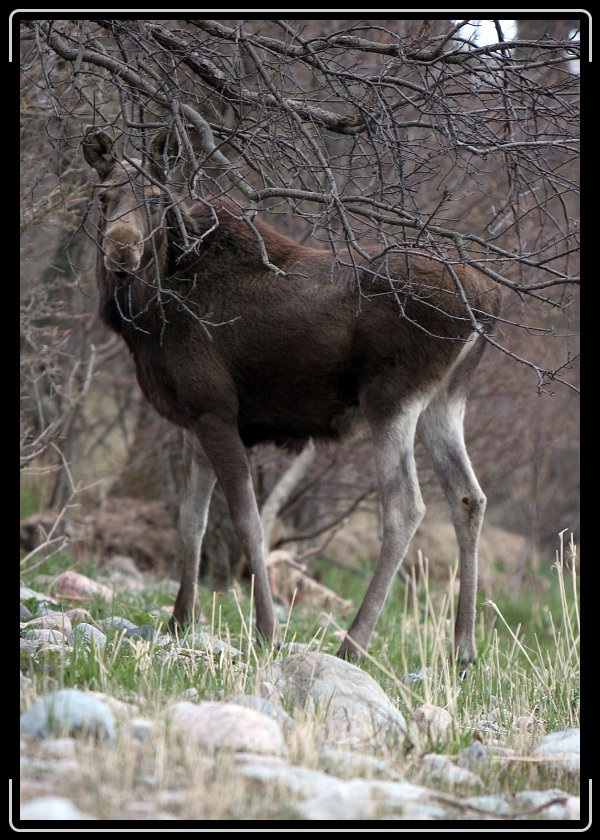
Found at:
(293, 351)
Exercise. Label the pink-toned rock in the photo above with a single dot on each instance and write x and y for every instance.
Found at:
(269, 692)
(51, 622)
(78, 614)
(76, 585)
(215, 725)
(525, 723)
(432, 719)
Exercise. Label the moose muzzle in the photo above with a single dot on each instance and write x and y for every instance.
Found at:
(123, 248)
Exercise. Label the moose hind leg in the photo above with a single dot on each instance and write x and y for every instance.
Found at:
(199, 484)
(402, 509)
(440, 429)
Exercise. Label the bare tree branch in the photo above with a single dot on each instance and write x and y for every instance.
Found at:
(361, 137)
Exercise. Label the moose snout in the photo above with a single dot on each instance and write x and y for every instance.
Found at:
(122, 249)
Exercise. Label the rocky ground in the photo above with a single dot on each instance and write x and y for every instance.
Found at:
(312, 738)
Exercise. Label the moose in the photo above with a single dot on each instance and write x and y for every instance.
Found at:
(242, 336)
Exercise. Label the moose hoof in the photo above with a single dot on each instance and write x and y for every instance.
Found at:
(465, 661)
(178, 623)
(348, 651)
(464, 668)
(174, 626)
(270, 638)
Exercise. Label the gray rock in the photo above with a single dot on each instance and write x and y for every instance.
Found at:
(562, 749)
(215, 725)
(362, 799)
(354, 708)
(191, 694)
(51, 808)
(210, 643)
(474, 757)
(444, 770)
(117, 622)
(527, 804)
(564, 807)
(41, 608)
(144, 631)
(88, 635)
(119, 708)
(27, 594)
(41, 635)
(252, 701)
(59, 748)
(68, 711)
(409, 801)
(354, 763)
(123, 565)
(140, 728)
(492, 804)
(303, 782)
(351, 800)
(178, 713)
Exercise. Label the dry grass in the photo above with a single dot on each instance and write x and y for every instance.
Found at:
(531, 671)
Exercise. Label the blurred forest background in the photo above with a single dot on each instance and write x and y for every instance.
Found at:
(342, 132)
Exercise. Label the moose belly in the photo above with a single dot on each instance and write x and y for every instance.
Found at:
(292, 435)
(287, 409)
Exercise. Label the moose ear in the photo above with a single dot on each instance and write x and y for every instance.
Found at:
(97, 150)
(163, 151)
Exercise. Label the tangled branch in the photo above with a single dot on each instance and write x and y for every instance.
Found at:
(403, 133)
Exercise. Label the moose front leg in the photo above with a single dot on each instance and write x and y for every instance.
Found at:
(227, 454)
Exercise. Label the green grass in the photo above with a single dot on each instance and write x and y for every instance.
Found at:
(528, 659)
(33, 491)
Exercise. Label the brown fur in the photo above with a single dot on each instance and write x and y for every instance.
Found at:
(292, 352)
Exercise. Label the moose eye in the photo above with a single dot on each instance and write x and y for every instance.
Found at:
(156, 201)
